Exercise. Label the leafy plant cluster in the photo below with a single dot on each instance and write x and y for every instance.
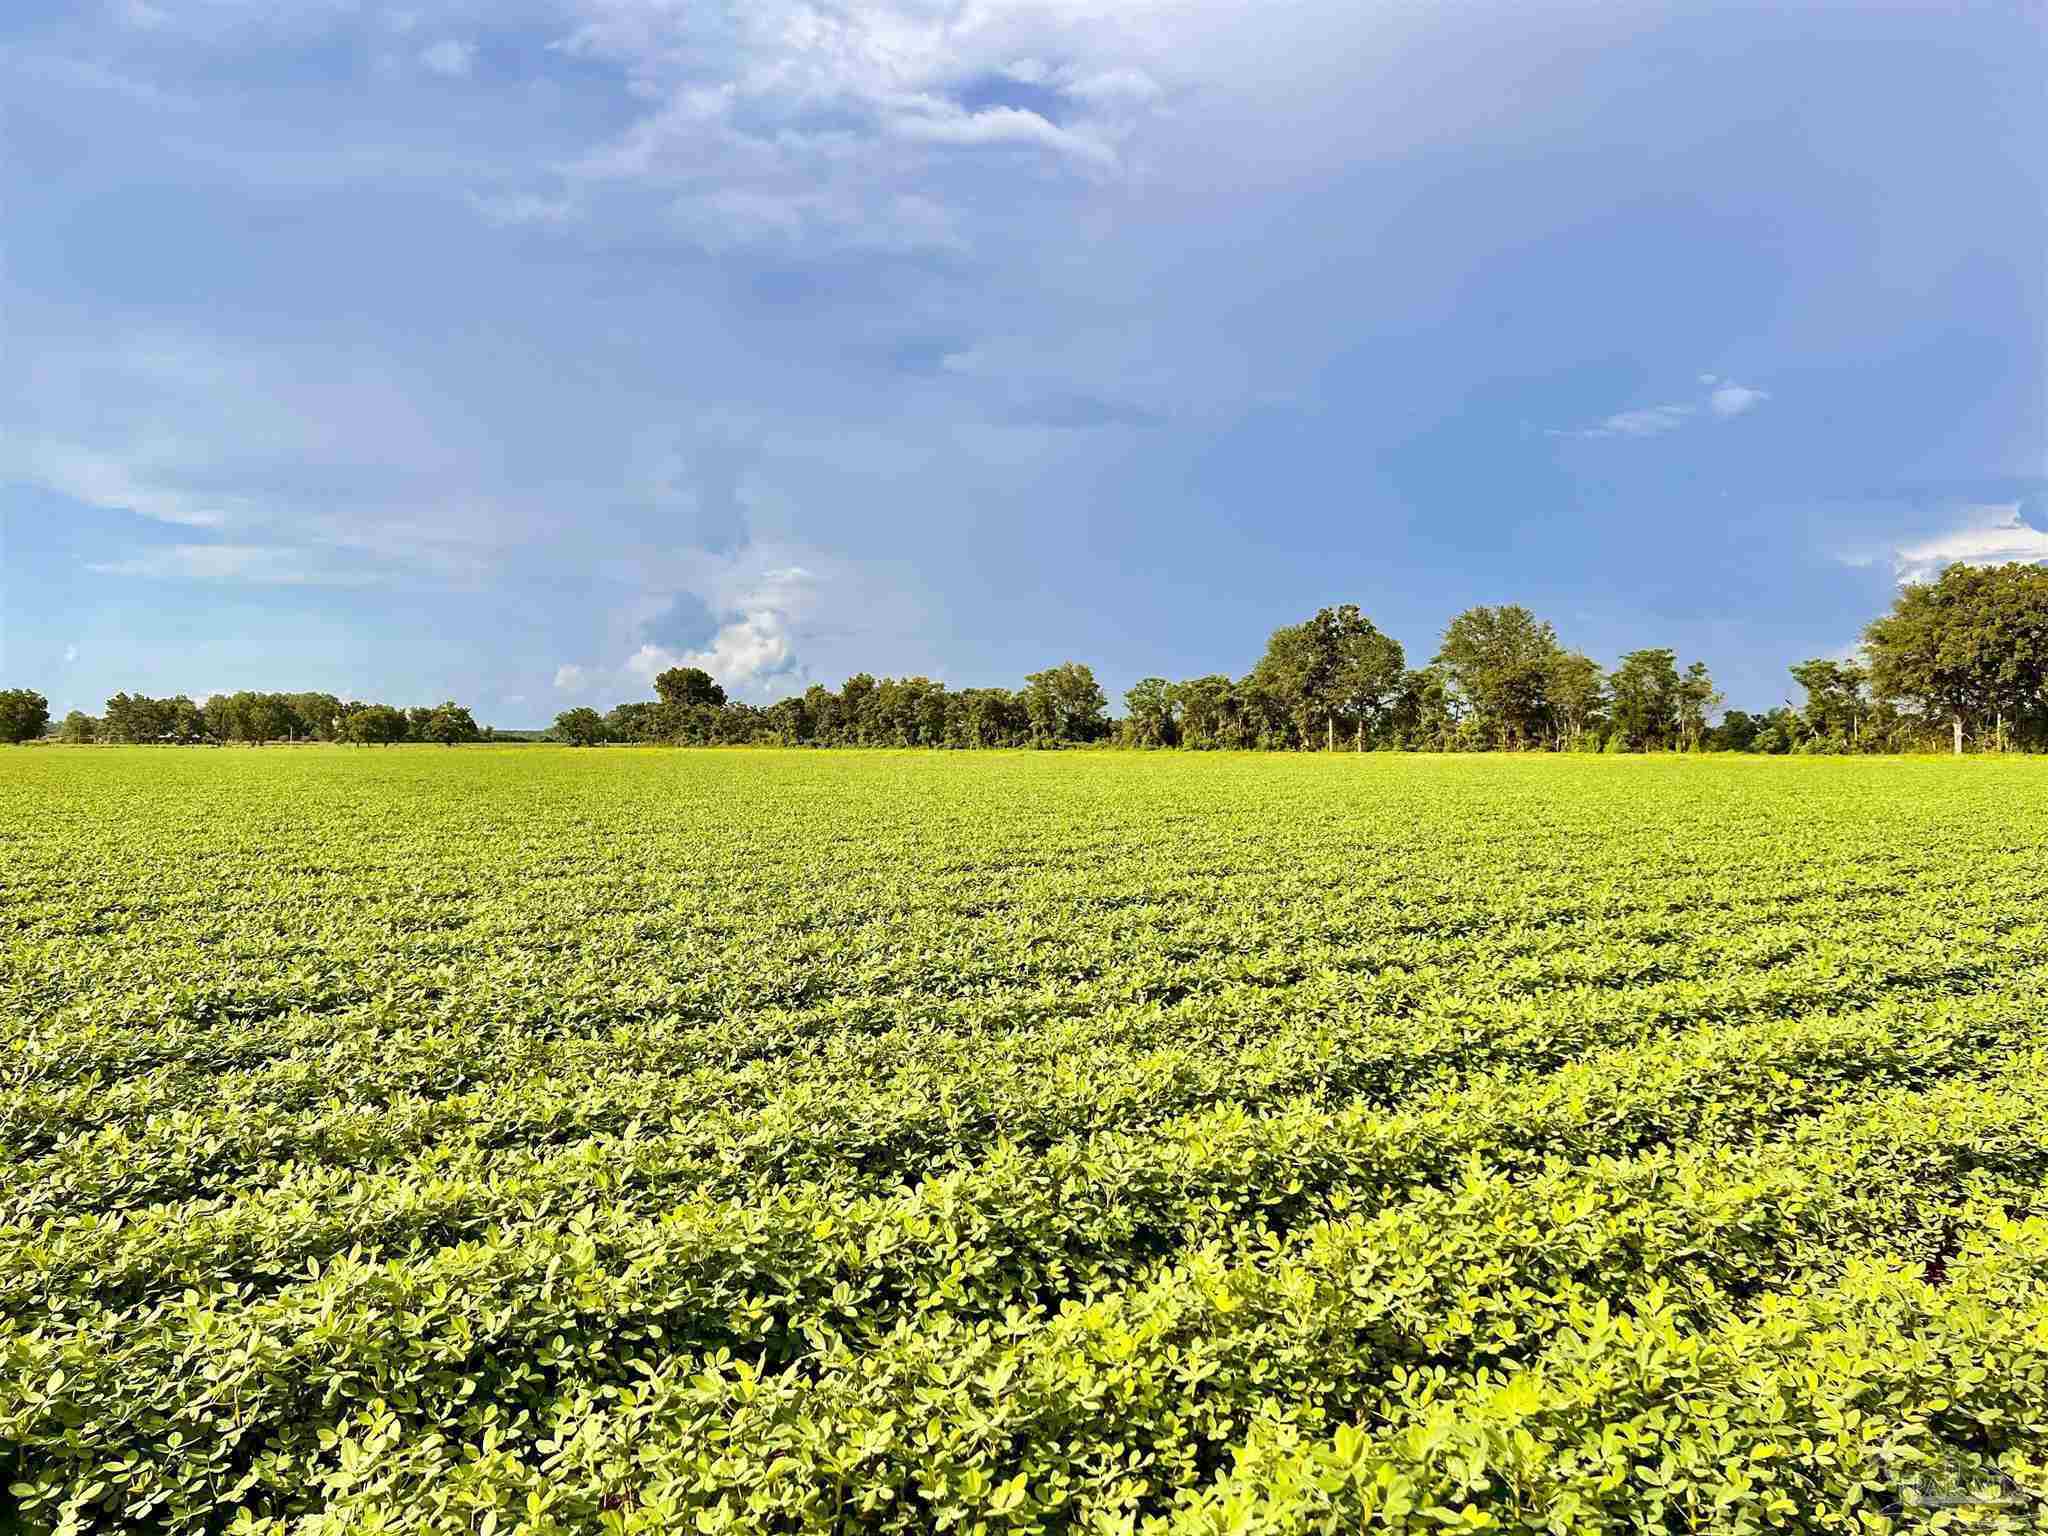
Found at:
(555, 1142)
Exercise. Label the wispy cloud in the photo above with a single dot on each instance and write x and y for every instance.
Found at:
(1650, 421)
(1724, 398)
(943, 123)
(450, 58)
(1734, 399)
(782, 121)
(256, 564)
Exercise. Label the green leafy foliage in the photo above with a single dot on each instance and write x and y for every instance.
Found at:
(752, 1141)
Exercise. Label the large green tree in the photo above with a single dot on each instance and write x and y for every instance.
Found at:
(1645, 693)
(1149, 713)
(1696, 699)
(1065, 704)
(450, 724)
(1835, 705)
(1575, 690)
(24, 714)
(1206, 709)
(1332, 671)
(1501, 661)
(136, 717)
(691, 687)
(580, 727)
(374, 725)
(1969, 648)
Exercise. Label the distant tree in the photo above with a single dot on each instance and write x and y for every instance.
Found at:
(1333, 671)
(1576, 690)
(986, 718)
(1969, 648)
(1294, 673)
(1149, 713)
(856, 698)
(689, 688)
(1835, 702)
(789, 720)
(24, 715)
(1429, 713)
(78, 728)
(1065, 704)
(375, 725)
(1261, 715)
(1206, 709)
(417, 717)
(252, 717)
(580, 727)
(315, 716)
(1697, 698)
(1737, 732)
(1778, 731)
(822, 710)
(1365, 681)
(1501, 661)
(1645, 689)
(634, 722)
(137, 718)
(907, 712)
(450, 724)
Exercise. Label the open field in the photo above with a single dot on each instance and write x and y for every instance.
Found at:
(491, 1139)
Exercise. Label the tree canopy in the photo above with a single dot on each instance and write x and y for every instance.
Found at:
(24, 715)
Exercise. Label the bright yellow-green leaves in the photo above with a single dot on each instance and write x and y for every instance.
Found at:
(523, 1140)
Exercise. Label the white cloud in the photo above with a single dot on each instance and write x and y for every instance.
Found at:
(1116, 85)
(791, 121)
(1724, 398)
(1652, 421)
(1733, 399)
(1984, 535)
(934, 124)
(266, 446)
(450, 58)
(1649, 421)
(115, 481)
(260, 564)
(762, 606)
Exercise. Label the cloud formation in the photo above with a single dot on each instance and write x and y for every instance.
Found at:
(450, 58)
(1724, 398)
(258, 564)
(1983, 535)
(763, 607)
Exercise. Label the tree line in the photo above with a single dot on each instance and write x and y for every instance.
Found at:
(255, 718)
(1959, 662)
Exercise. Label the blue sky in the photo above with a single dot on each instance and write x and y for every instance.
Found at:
(510, 352)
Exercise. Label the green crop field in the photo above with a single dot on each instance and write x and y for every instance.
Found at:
(488, 1140)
